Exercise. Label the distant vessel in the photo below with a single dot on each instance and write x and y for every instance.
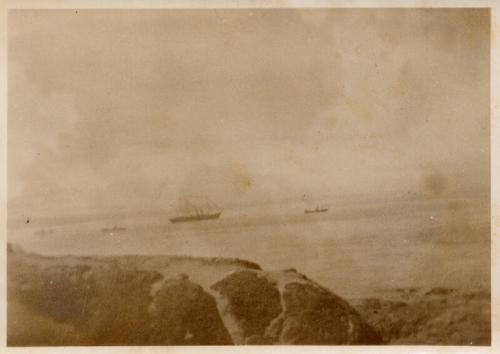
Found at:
(190, 212)
(316, 210)
(115, 228)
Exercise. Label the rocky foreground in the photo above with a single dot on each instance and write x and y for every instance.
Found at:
(437, 316)
(164, 300)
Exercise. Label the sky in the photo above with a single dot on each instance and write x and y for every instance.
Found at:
(131, 109)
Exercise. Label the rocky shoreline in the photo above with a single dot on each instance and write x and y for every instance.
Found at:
(165, 300)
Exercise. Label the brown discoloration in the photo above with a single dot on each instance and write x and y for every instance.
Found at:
(241, 181)
(435, 183)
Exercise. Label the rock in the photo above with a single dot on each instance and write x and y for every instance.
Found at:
(257, 311)
(107, 304)
(184, 314)
(314, 315)
(448, 317)
(127, 301)
(250, 301)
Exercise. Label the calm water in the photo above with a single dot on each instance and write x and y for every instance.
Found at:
(355, 250)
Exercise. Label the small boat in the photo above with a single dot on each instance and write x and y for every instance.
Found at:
(190, 212)
(316, 210)
(111, 230)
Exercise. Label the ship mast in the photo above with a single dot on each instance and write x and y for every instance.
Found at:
(204, 206)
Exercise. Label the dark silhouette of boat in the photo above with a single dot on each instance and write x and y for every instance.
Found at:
(316, 210)
(191, 218)
(190, 212)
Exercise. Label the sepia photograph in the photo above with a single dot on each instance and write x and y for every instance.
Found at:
(248, 176)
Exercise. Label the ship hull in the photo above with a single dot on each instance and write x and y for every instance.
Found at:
(193, 218)
(315, 211)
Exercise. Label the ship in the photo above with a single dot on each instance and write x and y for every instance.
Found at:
(191, 212)
(316, 210)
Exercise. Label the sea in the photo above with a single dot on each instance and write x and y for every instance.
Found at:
(359, 248)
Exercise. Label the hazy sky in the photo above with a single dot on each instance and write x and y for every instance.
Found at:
(128, 109)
